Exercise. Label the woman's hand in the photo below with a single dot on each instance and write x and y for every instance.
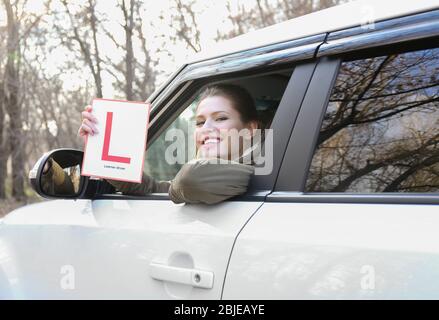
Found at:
(89, 122)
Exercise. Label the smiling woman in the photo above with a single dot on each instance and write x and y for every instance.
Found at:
(217, 172)
(222, 110)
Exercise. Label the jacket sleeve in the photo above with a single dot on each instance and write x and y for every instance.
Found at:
(206, 181)
(57, 181)
(210, 181)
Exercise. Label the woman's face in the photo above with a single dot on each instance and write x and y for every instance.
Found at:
(215, 119)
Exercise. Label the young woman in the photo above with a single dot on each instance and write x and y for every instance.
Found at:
(216, 173)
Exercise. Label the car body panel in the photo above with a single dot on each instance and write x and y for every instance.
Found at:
(336, 251)
(110, 244)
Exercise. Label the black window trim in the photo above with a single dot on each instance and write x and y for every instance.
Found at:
(294, 168)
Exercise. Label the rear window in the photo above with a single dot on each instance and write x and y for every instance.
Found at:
(380, 132)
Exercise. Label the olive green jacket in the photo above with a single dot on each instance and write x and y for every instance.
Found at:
(198, 181)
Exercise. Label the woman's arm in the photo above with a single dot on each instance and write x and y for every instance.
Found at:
(198, 181)
(210, 181)
(206, 181)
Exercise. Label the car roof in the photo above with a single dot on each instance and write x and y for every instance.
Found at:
(340, 17)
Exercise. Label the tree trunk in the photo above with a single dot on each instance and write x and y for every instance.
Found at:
(129, 55)
(98, 78)
(4, 154)
(12, 105)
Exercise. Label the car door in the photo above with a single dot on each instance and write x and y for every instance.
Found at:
(130, 247)
(354, 213)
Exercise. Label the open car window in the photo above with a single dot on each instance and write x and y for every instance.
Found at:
(162, 161)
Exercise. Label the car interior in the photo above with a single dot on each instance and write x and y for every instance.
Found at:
(267, 91)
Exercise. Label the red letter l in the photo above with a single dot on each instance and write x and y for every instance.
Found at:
(106, 148)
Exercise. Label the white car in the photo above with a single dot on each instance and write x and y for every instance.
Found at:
(348, 210)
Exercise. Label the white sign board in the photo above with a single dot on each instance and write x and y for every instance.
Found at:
(117, 151)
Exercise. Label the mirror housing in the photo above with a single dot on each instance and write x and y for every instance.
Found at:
(63, 179)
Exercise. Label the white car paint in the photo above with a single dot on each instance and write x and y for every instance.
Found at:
(337, 251)
(110, 245)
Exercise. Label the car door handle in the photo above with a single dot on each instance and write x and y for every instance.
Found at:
(194, 277)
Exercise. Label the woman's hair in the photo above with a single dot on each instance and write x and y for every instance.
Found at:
(241, 99)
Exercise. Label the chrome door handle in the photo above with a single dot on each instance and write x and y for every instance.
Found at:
(193, 277)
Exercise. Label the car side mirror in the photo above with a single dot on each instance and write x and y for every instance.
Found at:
(57, 174)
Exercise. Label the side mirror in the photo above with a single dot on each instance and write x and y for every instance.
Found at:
(57, 174)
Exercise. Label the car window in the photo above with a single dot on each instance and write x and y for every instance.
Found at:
(266, 90)
(380, 132)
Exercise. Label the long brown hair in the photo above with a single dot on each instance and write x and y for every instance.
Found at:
(240, 98)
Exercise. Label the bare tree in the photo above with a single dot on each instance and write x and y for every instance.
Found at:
(82, 23)
(184, 22)
(128, 14)
(4, 152)
(4, 146)
(18, 28)
(135, 69)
